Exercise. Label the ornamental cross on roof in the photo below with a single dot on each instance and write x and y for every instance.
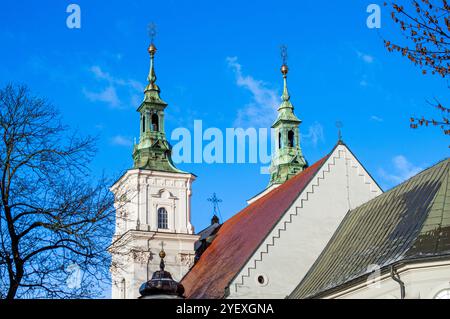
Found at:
(339, 126)
(215, 201)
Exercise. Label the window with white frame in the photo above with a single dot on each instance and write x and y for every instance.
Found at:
(162, 218)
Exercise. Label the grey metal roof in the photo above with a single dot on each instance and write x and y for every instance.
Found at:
(408, 222)
(205, 233)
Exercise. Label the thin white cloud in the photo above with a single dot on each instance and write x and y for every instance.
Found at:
(128, 88)
(121, 140)
(376, 118)
(261, 111)
(108, 95)
(364, 82)
(102, 75)
(402, 169)
(314, 135)
(367, 58)
(98, 72)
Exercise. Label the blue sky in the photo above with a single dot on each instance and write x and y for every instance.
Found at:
(219, 62)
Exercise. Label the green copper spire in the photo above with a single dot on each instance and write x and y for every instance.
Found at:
(285, 97)
(152, 90)
(153, 150)
(288, 159)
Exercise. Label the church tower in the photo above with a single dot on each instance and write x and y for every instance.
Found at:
(288, 159)
(153, 204)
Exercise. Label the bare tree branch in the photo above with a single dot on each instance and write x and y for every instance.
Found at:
(425, 25)
(52, 214)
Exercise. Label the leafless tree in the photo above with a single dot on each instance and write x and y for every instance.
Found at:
(425, 25)
(55, 222)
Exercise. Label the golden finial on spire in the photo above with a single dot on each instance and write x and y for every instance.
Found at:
(152, 49)
(162, 253)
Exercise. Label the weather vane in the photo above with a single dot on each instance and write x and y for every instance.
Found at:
(151, 31)
(283, 52)
(339, 125)
(215, 201)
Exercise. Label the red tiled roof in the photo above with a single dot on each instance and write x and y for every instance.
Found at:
(240, 236)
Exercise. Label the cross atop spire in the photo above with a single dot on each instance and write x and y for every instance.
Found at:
(283, 53)
(152, 31)
(284, 70)
(151, 74)
(215, 201)
(339, 126)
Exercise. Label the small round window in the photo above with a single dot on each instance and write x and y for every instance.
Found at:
(261, 280)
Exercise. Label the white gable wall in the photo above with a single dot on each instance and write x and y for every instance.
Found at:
(302, 233)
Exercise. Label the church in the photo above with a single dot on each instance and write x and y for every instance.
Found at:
(309, 234)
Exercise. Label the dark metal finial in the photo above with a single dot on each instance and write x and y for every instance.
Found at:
(339, 126)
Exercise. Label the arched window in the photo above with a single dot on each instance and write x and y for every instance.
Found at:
(155, 122)
(279, 140)
(143, 123)
(162, 218)
(291, 138)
